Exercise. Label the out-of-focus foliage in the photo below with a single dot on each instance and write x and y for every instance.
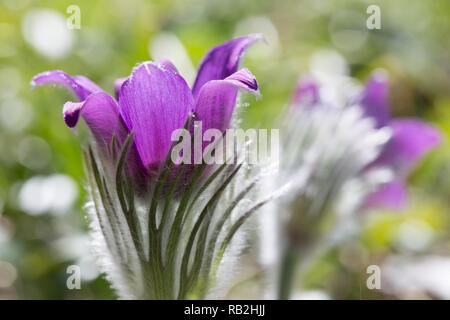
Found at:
(42, 226)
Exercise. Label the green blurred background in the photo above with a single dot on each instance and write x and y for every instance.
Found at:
(42, 224)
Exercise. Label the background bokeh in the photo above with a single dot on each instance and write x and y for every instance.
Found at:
(42, 224)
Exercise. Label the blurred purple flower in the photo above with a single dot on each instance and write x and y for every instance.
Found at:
(306, 93)
(155, 100)
(411, 138)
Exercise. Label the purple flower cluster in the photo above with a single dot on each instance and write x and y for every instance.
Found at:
(155, 100)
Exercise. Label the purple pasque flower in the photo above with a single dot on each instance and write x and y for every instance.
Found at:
(155, 100)
(143, 242)
(411, 138)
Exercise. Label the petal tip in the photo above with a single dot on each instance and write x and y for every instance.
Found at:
(118, 83)
(168, 65)
(223, 60)
(78, 85)
(71, 113)
(257, 37)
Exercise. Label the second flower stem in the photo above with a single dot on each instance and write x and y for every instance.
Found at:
(287, 273)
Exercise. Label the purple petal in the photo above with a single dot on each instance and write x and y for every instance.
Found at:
(216, 100)
(168, 65)
(222, 61)
(71, 113)
(154, 102)
(119, 82)
(87, 83)
(79, 85)
(375, 98)
(306, 92)
(101, 114)
(118, 85)
(411, 140)
(390, 196)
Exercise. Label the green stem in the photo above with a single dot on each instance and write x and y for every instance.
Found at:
(287, 273)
